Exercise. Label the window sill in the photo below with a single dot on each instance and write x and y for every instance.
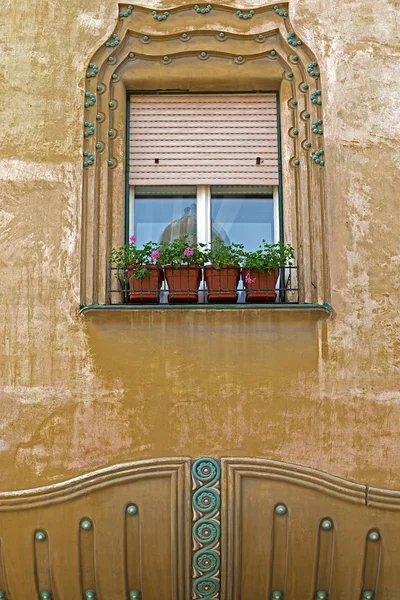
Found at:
(325, 308)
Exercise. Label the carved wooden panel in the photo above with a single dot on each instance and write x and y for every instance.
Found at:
(118, 533)
(294, 533)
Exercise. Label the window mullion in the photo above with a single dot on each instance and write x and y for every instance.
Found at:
(203, 213)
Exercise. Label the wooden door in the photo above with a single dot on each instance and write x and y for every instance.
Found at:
(177, 529)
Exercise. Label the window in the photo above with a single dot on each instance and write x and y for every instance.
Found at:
(244, 56)
(205, 166)
(240, 214)
(225, 146)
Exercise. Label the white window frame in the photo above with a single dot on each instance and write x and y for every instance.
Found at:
(203, 213)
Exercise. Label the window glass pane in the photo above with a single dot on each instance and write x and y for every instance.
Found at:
(164, 213)
(243, 214)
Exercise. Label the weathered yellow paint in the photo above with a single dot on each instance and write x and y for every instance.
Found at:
(79, 392)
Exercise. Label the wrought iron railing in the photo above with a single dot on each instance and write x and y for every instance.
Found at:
(203, 285)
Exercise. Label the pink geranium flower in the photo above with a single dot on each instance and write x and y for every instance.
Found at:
(132, 238)
(249, 280)
(188, 252)
(155, 254)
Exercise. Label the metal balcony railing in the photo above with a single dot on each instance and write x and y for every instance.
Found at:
(203, 285)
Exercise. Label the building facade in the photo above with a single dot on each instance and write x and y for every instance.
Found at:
(229, 450)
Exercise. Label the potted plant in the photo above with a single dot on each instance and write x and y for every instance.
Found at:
(223, 274)
(182, 259)
(140, 272)
(261, 270)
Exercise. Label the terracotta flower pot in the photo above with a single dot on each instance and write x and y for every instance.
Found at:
(183, 282)
(262, 286)
(143, 291)
(222, 283)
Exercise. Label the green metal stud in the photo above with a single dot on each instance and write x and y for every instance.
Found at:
(280, 509)
(326, 524)
(166, 58)
(260, 36)
(44, 595)
(272, 53)
(374, 536)
(294, 102)
(222, 35)
(240, 58)
(111, 104)
(307, 115)
(131, 509)
(276, 595)
(98, 117)
(110, 58)
(98, 146)
(90, 595)
(203, 54)
(184, 35)
(99, 88)
(114, 76)
(295, 131)
(110, 132)
(305, 86)
(321, 595)
(110, 163)
(2, 595)
(295, 58)
(133, 594)
(368, 595)
(296, 161)
(145, 38)
(290, 74)
(86, 525)
(40, 536)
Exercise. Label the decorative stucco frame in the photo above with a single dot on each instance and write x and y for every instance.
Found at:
(161, 45)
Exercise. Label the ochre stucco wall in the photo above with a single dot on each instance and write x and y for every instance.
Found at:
(84, 391)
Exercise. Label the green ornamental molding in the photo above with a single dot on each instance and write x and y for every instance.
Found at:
(292, 41)
(203, 11)
(113, 41)
(311, 68)
(94, 71)
(281, 13)
(90, 127)
(127, 12)
(245, 16)
(91, 101)
(158, 17)
(315, 127)
(89, 159)
(206, 530)
(314, 97)
(316, 157)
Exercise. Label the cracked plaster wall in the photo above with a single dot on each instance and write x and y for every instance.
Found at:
(322, 394)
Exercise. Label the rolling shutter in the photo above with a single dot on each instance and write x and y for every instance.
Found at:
(209, 139)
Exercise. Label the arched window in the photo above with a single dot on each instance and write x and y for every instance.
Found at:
(166, 58)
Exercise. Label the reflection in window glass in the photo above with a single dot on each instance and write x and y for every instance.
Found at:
(164, 213)
(243, 214)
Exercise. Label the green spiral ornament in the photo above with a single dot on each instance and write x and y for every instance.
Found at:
(206, 530)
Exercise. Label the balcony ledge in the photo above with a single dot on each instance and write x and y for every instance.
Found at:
(325, 308)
